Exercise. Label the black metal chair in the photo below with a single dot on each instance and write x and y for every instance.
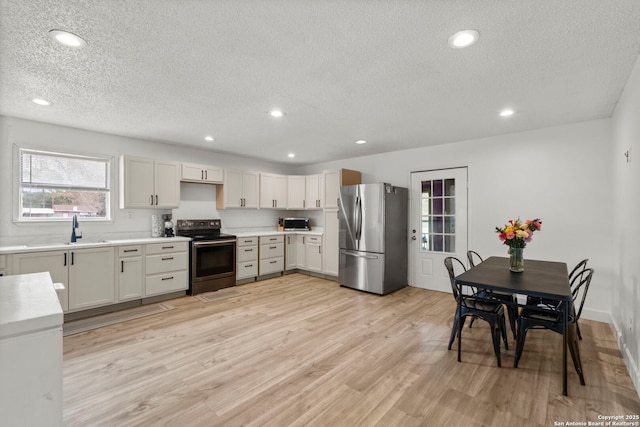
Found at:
(512, 310)
(549, 316)
(474, 258)
(471, 302)
(577, 271)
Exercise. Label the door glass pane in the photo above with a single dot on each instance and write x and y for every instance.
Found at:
(449, 206)
(437, 206)
(449, 187)
(438, 215)
(437, 188)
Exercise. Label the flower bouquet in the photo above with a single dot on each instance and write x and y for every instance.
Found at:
(516, 235)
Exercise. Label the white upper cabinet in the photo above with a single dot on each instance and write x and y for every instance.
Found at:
(147, 183)
(333, 180)
(240, 190)
(201, 173)
(296, 191)
(273, 191)
(313, 192)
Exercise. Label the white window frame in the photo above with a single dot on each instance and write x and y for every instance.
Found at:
(18, 185)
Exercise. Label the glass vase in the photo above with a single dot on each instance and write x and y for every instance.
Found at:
(516, 260)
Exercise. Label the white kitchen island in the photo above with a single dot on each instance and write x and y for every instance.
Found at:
(30, 351)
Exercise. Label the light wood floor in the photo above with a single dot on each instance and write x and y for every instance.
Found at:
(302, 351)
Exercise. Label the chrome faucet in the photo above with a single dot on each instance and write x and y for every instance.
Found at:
(75, 230)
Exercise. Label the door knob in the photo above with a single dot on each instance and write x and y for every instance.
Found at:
(413, 237)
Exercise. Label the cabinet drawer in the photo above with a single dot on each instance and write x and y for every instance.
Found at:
(247, 241)
(271, 250)
(161, 248)
(167, 282)
(132, 250)
(246, 269)
(313, 240)
(3, 261)
(273, 265)
(271, 239)
(247, 253)
(162, 263)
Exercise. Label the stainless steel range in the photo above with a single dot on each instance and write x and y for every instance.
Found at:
(213, 255)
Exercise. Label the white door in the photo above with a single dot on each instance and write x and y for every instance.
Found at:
(438, 225)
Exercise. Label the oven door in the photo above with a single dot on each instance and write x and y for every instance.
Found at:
(213, 259)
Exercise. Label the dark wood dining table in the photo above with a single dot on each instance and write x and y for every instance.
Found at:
(543, 279)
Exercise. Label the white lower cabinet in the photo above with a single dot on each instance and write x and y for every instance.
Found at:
(246, 257)
(291, 256)
(87, 274)
(91, 278)
(166, 268)
(271, 254)
(313, 252)
(130, 272)
(304, 252)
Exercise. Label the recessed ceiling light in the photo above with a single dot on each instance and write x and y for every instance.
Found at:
(463, 39)
(506, 112)
(67, 38)
(276, 113)
(291, 155)
(361, 141)
(41, 101)
(208, 138)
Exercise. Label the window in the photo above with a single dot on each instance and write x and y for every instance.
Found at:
(56, 185)
(438, 215)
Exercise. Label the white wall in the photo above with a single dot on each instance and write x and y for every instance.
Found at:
(561, 175)
(36, 135)
(624, 225)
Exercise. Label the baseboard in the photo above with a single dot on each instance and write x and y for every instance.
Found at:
(597, 315)
(632, 365)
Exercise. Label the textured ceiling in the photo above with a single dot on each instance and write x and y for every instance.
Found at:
(342, 70)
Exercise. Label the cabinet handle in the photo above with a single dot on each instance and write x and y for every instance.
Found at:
(248, 265)
(167, 259)
(156, 200)
(65, 259)
(288, 240)
(130, 250)
(167, 278)
(167, 247)
(151, 200)
(273, 247)
(248, 241)
(72, 258)
(272, 262)
(303, 237)
(319, 249)
(121, 266)
(248, 250)
(206, 174)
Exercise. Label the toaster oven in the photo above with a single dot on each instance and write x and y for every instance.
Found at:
(292, 224)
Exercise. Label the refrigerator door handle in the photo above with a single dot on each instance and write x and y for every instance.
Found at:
(359, 255)
(358, 218)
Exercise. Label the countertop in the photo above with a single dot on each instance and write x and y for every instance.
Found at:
(259, 233)
(28, 303)
(39, 247)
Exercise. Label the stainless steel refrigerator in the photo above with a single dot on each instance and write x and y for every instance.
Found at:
(373, 237)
